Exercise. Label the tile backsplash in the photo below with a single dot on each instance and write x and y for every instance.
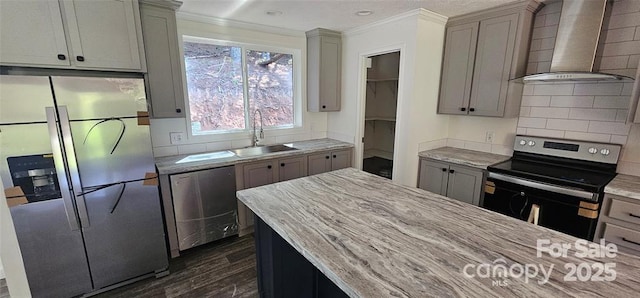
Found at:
(581, 111)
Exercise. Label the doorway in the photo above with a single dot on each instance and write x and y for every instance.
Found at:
(381, 104)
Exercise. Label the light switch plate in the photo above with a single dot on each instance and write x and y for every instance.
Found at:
(176, 137)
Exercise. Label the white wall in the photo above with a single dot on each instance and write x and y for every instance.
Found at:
(470, 132)
(419, 35)
(314, 125)
(10, 253)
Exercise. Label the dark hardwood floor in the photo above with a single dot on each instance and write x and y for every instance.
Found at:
(4, 292)
(225, 268)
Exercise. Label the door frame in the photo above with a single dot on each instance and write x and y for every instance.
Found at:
(362, 100)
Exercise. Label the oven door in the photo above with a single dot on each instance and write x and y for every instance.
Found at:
(570, 214)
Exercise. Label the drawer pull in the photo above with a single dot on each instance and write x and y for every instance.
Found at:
(630, 241)
(633, 215)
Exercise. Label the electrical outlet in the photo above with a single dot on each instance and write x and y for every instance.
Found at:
(176, 137)
(489, 137)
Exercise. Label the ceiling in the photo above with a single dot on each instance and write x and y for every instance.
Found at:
(339, 15)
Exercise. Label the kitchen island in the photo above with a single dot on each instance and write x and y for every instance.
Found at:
(364, 236)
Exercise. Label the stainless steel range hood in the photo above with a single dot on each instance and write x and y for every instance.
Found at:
(574, 53)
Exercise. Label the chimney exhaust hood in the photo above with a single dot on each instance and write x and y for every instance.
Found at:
(574, 53)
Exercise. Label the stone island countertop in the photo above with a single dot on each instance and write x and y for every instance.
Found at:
(374, 238)
(625, 186)
(169, 165)
(476, 159)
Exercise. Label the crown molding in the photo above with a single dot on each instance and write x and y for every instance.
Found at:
(513, 7)
(418, 13)
(237, 24)
(170, 4)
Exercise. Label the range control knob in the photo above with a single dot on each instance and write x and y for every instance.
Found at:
(532, 143)
(593, 150)
(604, 152)
(522, 142)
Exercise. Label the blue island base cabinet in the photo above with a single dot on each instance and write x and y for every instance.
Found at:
(283, 272)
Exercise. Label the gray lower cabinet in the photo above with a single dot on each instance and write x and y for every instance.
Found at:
(329, 161)
(454, 181)
(271, 171)
(292, 168)
(619, 223)
(164, 73)
(254, 175)
(260, 173)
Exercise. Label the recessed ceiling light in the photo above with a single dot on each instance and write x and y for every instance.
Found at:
(274, 12)
(364, 13)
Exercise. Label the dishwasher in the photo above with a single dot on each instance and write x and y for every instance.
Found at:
(205, 206)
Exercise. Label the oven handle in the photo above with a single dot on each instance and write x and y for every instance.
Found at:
(548, 187)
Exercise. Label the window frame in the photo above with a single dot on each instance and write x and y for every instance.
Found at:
(244, 47)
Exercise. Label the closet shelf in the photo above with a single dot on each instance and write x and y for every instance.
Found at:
(379, 153)
(390, 119)
(382, 80)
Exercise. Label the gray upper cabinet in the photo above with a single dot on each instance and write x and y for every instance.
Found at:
(457, 68)
(324, 67)
(494, 52)
(164, 74)
(454, 181)
(483, 52)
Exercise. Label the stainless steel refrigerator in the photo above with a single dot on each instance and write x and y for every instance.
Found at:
(77, 167)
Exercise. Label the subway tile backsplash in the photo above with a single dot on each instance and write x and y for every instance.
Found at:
(581, 111)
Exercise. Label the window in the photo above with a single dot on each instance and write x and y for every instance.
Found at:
(227, 83)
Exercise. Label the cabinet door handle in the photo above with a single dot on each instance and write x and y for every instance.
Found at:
(324, 107)
(80, 58)
(327, 157)
(178, 110)
(452, 171)
(444, 169)
(282, 164)
(62, 57)
(630, 241)
(472, 109)
(633, 215)
(463, 109)
(334, 156)
(269, 167)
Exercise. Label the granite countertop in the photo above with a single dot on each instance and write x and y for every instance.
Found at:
(624, 186)
(373, 238)
(167, 165)
(465, 157)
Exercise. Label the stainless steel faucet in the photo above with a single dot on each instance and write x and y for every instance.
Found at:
(255, 140)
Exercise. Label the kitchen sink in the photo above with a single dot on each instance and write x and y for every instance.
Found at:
(253, 151)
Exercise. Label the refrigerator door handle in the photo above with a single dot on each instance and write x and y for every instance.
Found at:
(58, 160)
(72, 161)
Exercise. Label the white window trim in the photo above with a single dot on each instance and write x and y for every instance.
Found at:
(297, 88)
